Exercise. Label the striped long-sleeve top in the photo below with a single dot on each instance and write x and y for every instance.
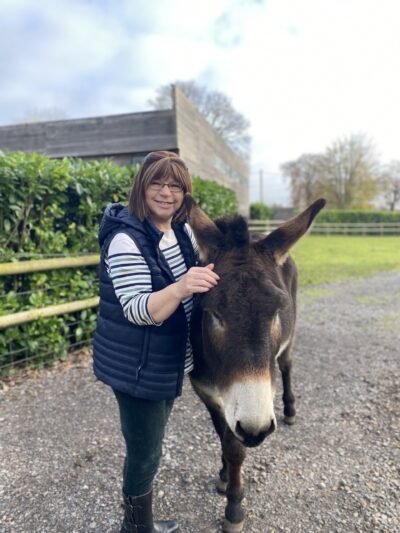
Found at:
(131, 278)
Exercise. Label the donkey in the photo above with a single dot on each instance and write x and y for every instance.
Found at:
(239, 329)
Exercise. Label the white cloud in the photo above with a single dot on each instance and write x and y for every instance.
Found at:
(312, 71)
(303, 71)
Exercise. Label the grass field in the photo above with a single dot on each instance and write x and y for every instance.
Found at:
(322, 259)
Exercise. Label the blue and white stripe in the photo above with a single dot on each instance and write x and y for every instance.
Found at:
(131, 278)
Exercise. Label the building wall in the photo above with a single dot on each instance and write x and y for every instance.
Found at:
(116, 136)
(127, 138)
(206, 154)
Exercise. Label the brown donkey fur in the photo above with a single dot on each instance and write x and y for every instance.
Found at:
(239, 329)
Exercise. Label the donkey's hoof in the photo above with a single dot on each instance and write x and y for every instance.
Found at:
(289, 420)
(229, 527)
(221, 486)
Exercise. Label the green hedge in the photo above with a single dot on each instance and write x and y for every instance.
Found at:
(50, 206)
(260, 211)
(47, 208)
(358, 215)
(53, 207)
(216, 200)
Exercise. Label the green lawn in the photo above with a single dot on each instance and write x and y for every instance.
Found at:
(322, 259)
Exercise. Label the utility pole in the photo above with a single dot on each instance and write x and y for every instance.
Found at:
(261, 186)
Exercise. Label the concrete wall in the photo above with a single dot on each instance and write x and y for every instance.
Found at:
(206, 154)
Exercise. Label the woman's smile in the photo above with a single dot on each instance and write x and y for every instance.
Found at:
(162, 206)
(163, 203)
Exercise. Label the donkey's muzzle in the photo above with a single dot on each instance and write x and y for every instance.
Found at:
(250, 439)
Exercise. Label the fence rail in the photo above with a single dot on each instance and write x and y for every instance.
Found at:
(38, 265)
(52, 310)
(12, 358)
(333, 228)
(26, 267)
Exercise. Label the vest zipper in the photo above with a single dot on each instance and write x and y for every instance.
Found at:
(145, 352)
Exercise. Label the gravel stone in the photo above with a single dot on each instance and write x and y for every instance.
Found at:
(335, 471)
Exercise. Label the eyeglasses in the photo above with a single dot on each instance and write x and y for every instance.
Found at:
(158, 186)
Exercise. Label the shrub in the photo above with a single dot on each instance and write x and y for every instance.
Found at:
(52, 207)
(260, 211)
(216, 200)
(48, 208)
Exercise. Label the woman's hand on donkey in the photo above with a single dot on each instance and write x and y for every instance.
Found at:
(197, 279)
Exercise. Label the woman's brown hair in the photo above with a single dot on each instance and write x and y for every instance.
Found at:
(156, 166)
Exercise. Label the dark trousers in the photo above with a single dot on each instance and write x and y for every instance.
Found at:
(143, 426)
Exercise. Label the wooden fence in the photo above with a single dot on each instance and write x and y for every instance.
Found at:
(259, 226)
(333, 228)
(25, 267)
(12, 358)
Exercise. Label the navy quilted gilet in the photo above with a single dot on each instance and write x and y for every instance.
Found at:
(143, 361)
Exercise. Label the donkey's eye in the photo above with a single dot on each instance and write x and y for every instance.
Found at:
(217, 320)
(276, 328)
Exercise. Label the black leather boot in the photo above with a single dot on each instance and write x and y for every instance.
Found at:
(139, 516)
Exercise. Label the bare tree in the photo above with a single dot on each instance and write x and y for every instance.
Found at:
(302, 174)
(216, 108)
(390, 184)
(349, 172)
(346, 174)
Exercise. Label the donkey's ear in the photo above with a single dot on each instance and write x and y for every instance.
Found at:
(279, 241)
(208, 236)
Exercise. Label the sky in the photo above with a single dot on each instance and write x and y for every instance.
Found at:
(304, 72)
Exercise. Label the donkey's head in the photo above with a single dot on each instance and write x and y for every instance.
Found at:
(242, 325)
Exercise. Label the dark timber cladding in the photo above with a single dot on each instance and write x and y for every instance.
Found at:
(127, 138)
(93, 137)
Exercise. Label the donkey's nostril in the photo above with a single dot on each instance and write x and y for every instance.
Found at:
(239, 429)
(251, 437)
(271, 428)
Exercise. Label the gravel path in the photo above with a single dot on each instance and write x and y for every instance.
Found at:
(336, 470)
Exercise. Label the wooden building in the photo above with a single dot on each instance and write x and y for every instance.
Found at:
(127, 138)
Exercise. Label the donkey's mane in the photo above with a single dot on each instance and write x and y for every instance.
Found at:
(235, 230)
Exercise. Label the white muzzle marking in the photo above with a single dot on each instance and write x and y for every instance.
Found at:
(250, 402)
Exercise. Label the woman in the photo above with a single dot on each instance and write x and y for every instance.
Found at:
(141, 345)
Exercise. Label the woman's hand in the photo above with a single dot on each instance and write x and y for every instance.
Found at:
(197, 279)
(161, 304)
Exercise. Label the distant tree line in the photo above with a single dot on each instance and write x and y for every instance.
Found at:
(348, 174)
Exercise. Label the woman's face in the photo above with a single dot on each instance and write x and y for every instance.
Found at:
(163, 202)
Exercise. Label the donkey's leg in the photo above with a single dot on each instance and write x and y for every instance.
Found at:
(234, 453)
(214, 407)
(285, 366)
(220, 426)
